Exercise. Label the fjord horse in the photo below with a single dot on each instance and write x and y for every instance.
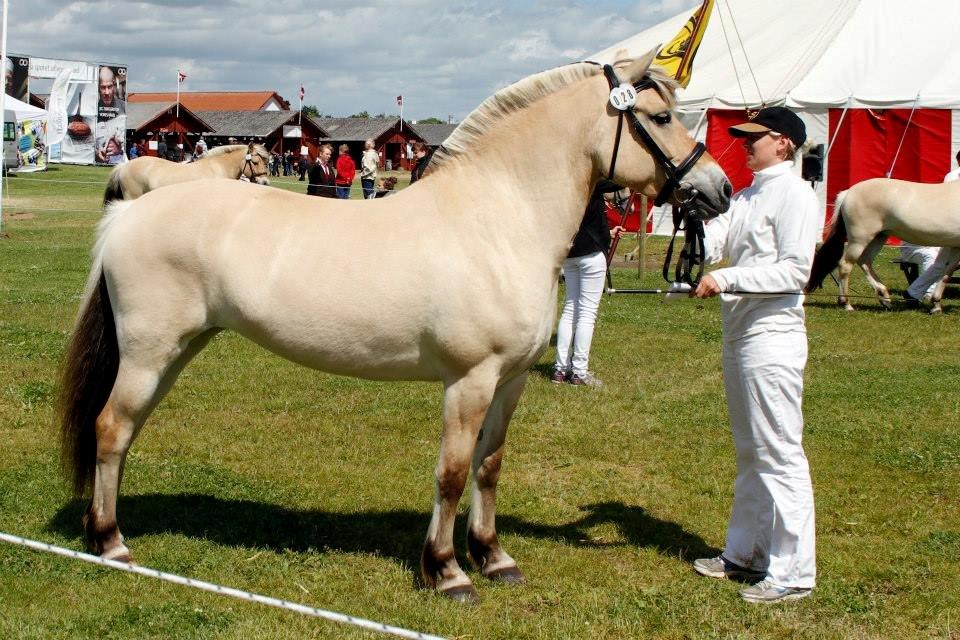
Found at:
(131, 180)
(474, 249)
(869, 212)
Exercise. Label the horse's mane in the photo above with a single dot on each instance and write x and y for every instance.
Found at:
(230, 148)
(525, 92)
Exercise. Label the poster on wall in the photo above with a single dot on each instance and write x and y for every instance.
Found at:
(111, 114)
(78, 145)
(33, 145)
(16, 74)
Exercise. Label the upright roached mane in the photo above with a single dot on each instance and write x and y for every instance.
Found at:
(521, 94)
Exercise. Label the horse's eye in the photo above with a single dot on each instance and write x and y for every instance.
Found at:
(662, 118)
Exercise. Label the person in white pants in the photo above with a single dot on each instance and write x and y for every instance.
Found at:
(584, 272)
(946, 257)
(768, 235)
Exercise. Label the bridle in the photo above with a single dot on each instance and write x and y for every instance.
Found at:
(247, 162)
(623, 97)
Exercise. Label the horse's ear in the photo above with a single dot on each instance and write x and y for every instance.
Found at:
(638, 68)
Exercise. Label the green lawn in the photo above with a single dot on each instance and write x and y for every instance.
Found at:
(262, 475)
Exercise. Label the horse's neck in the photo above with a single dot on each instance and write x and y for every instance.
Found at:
(226, 165)
(537, 175)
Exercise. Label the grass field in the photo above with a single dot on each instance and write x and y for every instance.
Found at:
(262, 475)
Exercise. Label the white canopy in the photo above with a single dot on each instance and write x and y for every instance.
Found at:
(23, 110)
(818, 53)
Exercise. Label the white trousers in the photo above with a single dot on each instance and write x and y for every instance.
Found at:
(584, 278)
(772, 526)
(927, 281)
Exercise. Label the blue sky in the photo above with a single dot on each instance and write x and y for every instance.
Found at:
(443, 57)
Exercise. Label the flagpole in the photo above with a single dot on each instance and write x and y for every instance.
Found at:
(178, 94)
(3, 118)
(300, 112)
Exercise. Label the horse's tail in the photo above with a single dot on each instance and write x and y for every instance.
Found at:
(114, 189)
(89, 370)
(828, 256)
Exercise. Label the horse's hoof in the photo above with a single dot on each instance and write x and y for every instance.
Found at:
(118, 554)
(937, 310)
(886, 304)
(464, 594)
(508, 575)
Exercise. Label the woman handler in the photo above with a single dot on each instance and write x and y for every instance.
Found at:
(768, 236)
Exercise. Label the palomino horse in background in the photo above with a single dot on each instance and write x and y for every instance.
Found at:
(469, 299)
(871, 211)
(131, 180)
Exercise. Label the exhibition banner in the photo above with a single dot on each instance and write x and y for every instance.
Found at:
(16, 77)
(111, 131)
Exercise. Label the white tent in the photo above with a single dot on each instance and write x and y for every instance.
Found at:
(881, 78)
(24, 110)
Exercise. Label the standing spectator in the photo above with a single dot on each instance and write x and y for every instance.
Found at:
(303, 165)
(421, 158)
(385, 187)
(768, 236)
(201, 149)
(162, 148)
(346, 170)
(287, 163)
(322, 177)
(584, 271)
(133, 151)
(368, 168)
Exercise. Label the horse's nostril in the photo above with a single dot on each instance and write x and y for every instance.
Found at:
(727, 189)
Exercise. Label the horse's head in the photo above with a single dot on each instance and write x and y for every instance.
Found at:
(641, 144)
(256, 161)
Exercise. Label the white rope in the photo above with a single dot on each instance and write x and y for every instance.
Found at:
(736, 72)
(215, 588)
(843, 114)
(904, 136)
(745, 56)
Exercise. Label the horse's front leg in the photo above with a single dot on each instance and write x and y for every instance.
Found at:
(485, 550)
(464, 408)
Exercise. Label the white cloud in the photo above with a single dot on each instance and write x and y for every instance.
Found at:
(444, 57)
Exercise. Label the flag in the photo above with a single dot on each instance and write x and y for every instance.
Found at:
(302, 93)
(181, 76)
(400, 101)
(676, 57)
(57, 108)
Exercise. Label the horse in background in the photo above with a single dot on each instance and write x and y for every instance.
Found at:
(871, 211)
(469, 299)
(131, 180)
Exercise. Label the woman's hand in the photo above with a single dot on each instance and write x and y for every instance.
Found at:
(616, 232)
(707, 288)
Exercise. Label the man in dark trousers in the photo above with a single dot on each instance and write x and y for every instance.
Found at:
(322, 176)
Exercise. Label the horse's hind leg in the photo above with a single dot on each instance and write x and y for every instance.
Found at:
(843, 282)
(140, 384)
(482, 543)
(866, 263)
(464, 409)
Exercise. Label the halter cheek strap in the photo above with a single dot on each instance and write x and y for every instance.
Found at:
(675, 173)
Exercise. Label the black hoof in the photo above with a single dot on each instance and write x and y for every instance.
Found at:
(508, 575)
(464, 594)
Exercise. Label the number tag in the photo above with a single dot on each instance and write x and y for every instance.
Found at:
(623, 97)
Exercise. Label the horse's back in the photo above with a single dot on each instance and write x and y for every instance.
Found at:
(376, 297)
(922, 213)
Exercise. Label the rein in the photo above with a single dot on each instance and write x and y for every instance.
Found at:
(693, 254)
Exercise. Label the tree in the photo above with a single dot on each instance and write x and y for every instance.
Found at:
(311, 110)
(431, 121)
(362, 114)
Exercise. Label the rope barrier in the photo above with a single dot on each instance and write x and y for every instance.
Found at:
(333, 616)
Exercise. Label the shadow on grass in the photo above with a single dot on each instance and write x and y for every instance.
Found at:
(394, 534)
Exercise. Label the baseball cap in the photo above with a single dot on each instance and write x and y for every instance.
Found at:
(777, 119)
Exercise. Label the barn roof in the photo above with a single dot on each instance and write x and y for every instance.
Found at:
(252, 123)
(434, 134)
(215, 100)
(140, 114)
(356, 129)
